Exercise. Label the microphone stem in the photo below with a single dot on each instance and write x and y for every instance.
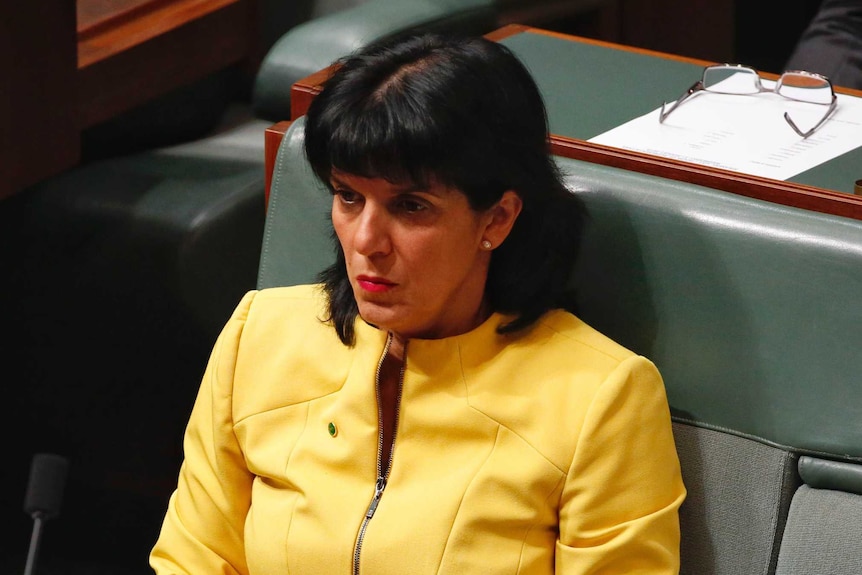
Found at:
(30, 567)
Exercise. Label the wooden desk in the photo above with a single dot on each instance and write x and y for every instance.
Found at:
(76, 64)
(582, 104)
(140, 49)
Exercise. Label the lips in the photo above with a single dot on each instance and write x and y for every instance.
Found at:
(374, 284)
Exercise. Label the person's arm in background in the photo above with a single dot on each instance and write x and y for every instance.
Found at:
(832, 44)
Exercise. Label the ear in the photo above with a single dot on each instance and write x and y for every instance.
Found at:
(502, 216)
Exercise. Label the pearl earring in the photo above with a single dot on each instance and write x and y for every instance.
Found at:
(486, 244)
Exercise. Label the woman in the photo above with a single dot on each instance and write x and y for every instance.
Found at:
(430, 407)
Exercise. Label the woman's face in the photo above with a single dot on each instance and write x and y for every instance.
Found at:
(415, 256)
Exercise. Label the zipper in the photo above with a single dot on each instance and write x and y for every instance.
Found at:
(382, 474)
(378, 493)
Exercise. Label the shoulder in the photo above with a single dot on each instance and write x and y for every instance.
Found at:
(565, 339)
(558, 350)
(592, 359)
(299, 299)
(560, 359)
(284, 309)
(564, 369)
(276, 336)
(283, 318)
(276, 313)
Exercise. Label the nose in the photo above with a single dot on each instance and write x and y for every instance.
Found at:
(371, 236)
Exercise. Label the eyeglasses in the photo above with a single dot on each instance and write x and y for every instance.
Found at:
(743, 80)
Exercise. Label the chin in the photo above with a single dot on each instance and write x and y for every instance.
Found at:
(378, 316)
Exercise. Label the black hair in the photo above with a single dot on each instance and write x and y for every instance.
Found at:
(463, 112)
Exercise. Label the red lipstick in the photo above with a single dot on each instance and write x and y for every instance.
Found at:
(374, 284)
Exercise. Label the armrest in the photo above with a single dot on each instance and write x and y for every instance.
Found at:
(315, 44)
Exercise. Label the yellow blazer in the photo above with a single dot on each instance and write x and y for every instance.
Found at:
(549, 451)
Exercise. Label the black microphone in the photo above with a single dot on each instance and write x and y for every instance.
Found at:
(43, 497)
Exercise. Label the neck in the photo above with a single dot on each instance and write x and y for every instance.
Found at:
(397, 346)
(399, 340)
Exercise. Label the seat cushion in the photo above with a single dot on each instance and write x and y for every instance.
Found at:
(823, 534)
(739, 493)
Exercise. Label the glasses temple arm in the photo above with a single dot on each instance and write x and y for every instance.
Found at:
(832, 105)
(696, 87)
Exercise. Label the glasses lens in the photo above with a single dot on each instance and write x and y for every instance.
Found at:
(731, 80)
(805, 88)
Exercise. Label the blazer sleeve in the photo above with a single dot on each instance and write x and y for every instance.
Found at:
(620, 503)
(202, 531)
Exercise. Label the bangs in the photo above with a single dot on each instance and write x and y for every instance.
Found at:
(418, 117)
(392, 141)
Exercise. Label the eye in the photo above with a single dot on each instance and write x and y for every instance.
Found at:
(410, 205)
(347, 197)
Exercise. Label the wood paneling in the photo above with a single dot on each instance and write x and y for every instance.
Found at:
(136, 60)
(702, 29)
(67, 67)
(38, 96)
(123, 25)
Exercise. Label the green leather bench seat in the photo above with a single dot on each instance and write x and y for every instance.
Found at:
(749, 308)
(823, 529)
(125, 270)
(311, 46)
(750, 311)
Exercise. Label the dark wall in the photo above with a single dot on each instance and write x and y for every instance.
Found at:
(761, 34)
(767, 31)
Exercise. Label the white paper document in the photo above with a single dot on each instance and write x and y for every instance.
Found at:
(744, 133)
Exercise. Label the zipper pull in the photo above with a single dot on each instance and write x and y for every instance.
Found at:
(378, 492)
